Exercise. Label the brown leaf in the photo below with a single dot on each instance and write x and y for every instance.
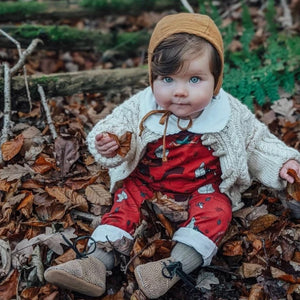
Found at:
(11, 148)
(257, 292)
(123, 141)
(166, 224)
(81, 183)
(279, 274)
(4, 186)
(98, 194)
(26, 205)
(262, 223)
(249, 270)
(293, 189)
(52, 212)
(31, 184)
(233, 248)
(9, 286)
(67, 153)
(68, 197)
(43, 164)
(12, 172)
(30, 293)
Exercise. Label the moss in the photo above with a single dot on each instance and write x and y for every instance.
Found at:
(46, 79)
(21, 8)
(132, 5)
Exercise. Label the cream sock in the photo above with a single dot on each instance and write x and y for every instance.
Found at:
(106, 257)
(188, 256)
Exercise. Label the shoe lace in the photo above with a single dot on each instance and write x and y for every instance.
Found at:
(73, 245)
(175, 268)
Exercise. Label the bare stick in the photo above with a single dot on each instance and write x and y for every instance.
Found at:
(7, 107)
(47, 111)
(287, 16)
(21, 61)
(23, 55)
(187, 6)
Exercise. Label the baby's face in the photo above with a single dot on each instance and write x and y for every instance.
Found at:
(187, 92)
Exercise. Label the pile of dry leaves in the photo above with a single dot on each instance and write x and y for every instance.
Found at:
(52, 190)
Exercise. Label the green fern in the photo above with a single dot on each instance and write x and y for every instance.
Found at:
(256, 75)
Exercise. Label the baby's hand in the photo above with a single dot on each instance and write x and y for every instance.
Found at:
(290, 164)
(106, 145)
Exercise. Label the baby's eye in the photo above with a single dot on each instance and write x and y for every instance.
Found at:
(167, 79)
(194, 79)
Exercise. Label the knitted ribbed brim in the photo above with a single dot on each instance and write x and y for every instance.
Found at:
(200, 25)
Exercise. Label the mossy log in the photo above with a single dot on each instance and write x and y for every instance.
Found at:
(68, 38)
(66, 84)
(55, 10)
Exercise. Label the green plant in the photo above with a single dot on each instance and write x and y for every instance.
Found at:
(255, 75)
(21, 8)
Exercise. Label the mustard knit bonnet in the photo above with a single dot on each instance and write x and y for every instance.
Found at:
(197, 24)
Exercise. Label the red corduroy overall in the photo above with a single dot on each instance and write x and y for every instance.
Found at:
(190, 177)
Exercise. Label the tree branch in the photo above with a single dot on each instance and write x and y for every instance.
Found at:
(47, 111)
(7, 107)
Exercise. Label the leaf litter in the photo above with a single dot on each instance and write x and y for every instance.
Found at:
(50, 189)
(43, 199)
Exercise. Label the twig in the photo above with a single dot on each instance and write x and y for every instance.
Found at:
(187, 6)
(23, 55)
(287, 16)
(21, 61)
(47, 111)
(7, 107)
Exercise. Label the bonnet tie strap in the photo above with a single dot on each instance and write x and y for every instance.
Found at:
(163, 121)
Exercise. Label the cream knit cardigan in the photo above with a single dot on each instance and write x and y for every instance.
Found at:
(246, 148)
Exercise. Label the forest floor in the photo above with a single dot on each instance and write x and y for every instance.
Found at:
(50, 187)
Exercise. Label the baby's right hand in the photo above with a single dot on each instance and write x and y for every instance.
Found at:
(106, 145)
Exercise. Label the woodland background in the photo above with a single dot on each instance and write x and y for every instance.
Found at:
(79, 60)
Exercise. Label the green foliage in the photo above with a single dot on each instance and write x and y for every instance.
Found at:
(257, 74)
(65, 35)
(248, 32)
(119, 5)
(21, 8)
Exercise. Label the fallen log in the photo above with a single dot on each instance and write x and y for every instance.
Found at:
(66, 84)
(11, 11)
(71, 39)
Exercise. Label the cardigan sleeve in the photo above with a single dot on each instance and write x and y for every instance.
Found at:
(266, 153)
(124, 118)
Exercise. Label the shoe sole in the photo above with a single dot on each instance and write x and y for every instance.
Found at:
(58, 277)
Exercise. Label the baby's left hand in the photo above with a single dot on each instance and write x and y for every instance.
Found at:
(290, 164)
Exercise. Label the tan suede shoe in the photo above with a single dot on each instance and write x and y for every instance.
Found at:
(151, 280)
(86, 276)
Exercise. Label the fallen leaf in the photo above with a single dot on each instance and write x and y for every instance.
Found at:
(8, 287)
(43, 164)
(98, 194)
(11, 148)
(26, 204)
(206, 280)
(4, 186)
(123, 141)
(12, 172)
(293, 189)
(262, 223)
(249, 270)
(67, 153)
(68, 197)
(233, 248)
(257, 292)
(285, 108)
(279, 274)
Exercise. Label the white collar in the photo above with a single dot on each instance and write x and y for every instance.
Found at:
(213, 118)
